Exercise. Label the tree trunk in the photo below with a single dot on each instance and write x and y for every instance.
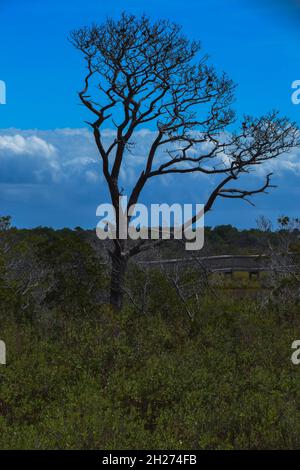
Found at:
(119, 266)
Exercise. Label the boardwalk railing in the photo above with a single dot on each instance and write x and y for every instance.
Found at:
(253, 264)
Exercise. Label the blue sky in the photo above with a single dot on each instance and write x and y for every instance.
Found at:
(50, 176)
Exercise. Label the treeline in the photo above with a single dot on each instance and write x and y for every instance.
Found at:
(70, 268)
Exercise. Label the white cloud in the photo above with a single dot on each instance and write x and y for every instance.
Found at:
(54, 156)
(91, 176)
(52, 176)
(288, 163)
(17, 144)
(70, 156)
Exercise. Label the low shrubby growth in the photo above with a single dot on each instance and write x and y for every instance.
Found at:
(157, 380)
(80, 376)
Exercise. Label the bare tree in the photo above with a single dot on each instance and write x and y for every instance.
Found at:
(144, 73)
(282, 251)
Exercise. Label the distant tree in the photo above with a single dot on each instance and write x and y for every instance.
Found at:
(146, 72)
(5, 223)
(264, 224)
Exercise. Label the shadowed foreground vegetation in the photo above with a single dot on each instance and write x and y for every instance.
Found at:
(79, 376)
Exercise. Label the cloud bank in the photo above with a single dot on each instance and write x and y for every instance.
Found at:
(53, 177)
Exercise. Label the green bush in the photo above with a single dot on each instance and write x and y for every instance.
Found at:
(224, 381)
(80, 376)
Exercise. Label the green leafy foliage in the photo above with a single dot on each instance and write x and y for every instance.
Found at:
(224, 381)
(80, 376)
